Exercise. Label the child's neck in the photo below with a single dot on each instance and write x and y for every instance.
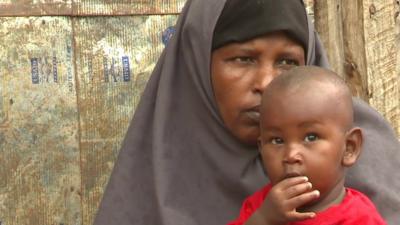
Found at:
(334, 197)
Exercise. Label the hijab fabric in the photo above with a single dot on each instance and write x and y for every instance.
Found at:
(179, 165)
(243, 20)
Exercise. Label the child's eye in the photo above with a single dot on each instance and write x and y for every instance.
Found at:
(276, 141)
(311, 137)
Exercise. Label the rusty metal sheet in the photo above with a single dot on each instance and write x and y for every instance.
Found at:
(39, 154)
(88, 7)
(115, 57)
(35, 8)
(65, 104)
(127, 7)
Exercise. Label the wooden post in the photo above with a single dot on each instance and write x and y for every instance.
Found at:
(362, 41)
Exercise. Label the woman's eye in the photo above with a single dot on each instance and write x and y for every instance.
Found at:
(244, 59)
(289, 62)
(276, 141)
(311, 137)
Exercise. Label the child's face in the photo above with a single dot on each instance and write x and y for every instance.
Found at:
(304, 134)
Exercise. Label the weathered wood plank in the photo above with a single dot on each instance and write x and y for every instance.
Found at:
(361, 46)
(328, 17)
(381, 49)
(397, 46)
(355, 65)
(341, 32)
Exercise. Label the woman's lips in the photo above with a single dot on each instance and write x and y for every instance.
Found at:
(254, 114)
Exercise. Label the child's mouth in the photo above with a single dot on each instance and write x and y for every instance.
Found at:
(292, 174)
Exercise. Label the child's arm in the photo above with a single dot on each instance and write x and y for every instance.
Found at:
(280, 205)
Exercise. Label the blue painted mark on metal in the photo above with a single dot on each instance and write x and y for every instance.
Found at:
(69, 67)
(55, 71)
(42, 70)
(105, 66)
(167, 34)
(35, 70)
(113, 68)
(126, 69)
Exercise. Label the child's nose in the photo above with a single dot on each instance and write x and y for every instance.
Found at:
(293, 154)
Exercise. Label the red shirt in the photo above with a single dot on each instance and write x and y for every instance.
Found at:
(355, 209)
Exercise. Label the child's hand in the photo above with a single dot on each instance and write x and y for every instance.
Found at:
(280, 205)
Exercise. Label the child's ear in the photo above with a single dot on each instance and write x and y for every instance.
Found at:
(353, 146)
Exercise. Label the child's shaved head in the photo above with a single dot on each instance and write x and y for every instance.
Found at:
(310, 82)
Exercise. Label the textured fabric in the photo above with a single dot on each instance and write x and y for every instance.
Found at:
(355, 209)
(243, 20)
(179, 165)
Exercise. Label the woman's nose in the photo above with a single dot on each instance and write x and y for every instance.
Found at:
(264, 76)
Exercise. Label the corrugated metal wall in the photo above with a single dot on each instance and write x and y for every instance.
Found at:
(71, 73)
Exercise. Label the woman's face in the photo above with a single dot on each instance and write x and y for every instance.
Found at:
(241, 71)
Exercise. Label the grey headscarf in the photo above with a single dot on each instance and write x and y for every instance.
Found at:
(180, 166)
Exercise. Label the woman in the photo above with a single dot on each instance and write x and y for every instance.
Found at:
(189, 156)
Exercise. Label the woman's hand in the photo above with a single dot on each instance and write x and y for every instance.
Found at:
(280, 205)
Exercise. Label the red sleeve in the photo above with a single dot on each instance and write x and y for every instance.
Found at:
(250, 205)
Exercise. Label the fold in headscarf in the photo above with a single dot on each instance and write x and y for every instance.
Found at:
(179, 165)
(243, 20)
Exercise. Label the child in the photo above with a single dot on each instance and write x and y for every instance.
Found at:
(307, 142)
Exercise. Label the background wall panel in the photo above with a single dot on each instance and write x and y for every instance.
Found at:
(35, 8)
(40, 170)
(126, 7)
(69, 86)
(88, 7)
(361, 38)
(114, 57)
(381, 49)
